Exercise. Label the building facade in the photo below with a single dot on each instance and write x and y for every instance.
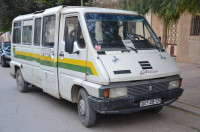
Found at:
(5, 37)
(183, 38)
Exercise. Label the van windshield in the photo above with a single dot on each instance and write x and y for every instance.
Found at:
(117, 32)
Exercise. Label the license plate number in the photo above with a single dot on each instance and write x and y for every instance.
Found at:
(150, 102)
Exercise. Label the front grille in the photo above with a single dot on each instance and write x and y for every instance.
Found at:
(147, 88)
(145, 65)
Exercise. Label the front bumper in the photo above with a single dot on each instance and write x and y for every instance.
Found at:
(131, 104)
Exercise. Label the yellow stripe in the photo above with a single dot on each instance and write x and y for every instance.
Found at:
(90, 64)
(72, 61)
(46, 58)
(65, 60)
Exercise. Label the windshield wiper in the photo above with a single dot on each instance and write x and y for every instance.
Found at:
(132, 48)
(160, 48)
(135, 49)
(125, 50)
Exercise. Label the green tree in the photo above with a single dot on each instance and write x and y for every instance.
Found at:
(168, 11)
(9, 9)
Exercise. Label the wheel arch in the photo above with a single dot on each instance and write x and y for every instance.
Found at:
(74, 92)
(14, 67)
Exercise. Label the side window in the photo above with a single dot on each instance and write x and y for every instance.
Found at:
(17, 32)
(37, 32)
(73, 30)
(27, 34)
(48, 32)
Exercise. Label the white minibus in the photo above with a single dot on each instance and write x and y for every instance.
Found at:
(106, 60)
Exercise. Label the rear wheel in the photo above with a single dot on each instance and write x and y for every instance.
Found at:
(86, 114)
(21, 83)
(3, 63)
(156, 110)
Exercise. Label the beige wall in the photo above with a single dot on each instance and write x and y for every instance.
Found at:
(5, 37)
(188, 47)
(156, 25)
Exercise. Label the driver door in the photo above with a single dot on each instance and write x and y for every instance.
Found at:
(71, 67)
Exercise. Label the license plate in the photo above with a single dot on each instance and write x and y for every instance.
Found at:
(150, 102)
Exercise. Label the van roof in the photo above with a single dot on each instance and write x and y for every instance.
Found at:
(95, 10)
(73, 9)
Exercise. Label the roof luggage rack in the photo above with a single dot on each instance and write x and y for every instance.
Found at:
(37, 12)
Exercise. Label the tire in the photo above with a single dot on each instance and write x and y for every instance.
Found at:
(3, 63)
(21, 83)
(155, 110)
(86, 114)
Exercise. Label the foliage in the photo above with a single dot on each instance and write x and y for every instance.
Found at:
(9, 9)
(103, 3)
(169, 11)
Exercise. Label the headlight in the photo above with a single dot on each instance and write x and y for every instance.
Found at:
(117, 92)
(173, 84)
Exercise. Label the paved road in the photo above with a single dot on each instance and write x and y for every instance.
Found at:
(36, 111)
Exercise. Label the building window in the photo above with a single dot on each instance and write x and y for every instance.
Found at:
(195, 26)
(17, 33)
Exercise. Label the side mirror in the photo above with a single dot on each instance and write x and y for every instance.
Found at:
(69, 45)
(159, 38)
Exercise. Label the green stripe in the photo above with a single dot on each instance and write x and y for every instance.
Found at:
(42, 62)
(72, 67)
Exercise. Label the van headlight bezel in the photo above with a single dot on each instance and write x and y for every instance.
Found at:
(173, 84)
(118, 92)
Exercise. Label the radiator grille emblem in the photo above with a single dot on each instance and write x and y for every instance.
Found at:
(150, 88)
(115, 60)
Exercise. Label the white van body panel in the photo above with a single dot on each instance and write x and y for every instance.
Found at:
(92, 88)
(130, 61)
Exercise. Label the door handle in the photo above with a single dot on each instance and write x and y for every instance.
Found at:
(61, 54)
(52, 53)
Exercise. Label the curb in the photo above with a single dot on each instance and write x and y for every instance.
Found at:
(186, 107)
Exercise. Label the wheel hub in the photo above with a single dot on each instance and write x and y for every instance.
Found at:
(19, 80)
(82, 107)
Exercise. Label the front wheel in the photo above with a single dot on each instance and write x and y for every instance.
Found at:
(21, 83)
(86, 114)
